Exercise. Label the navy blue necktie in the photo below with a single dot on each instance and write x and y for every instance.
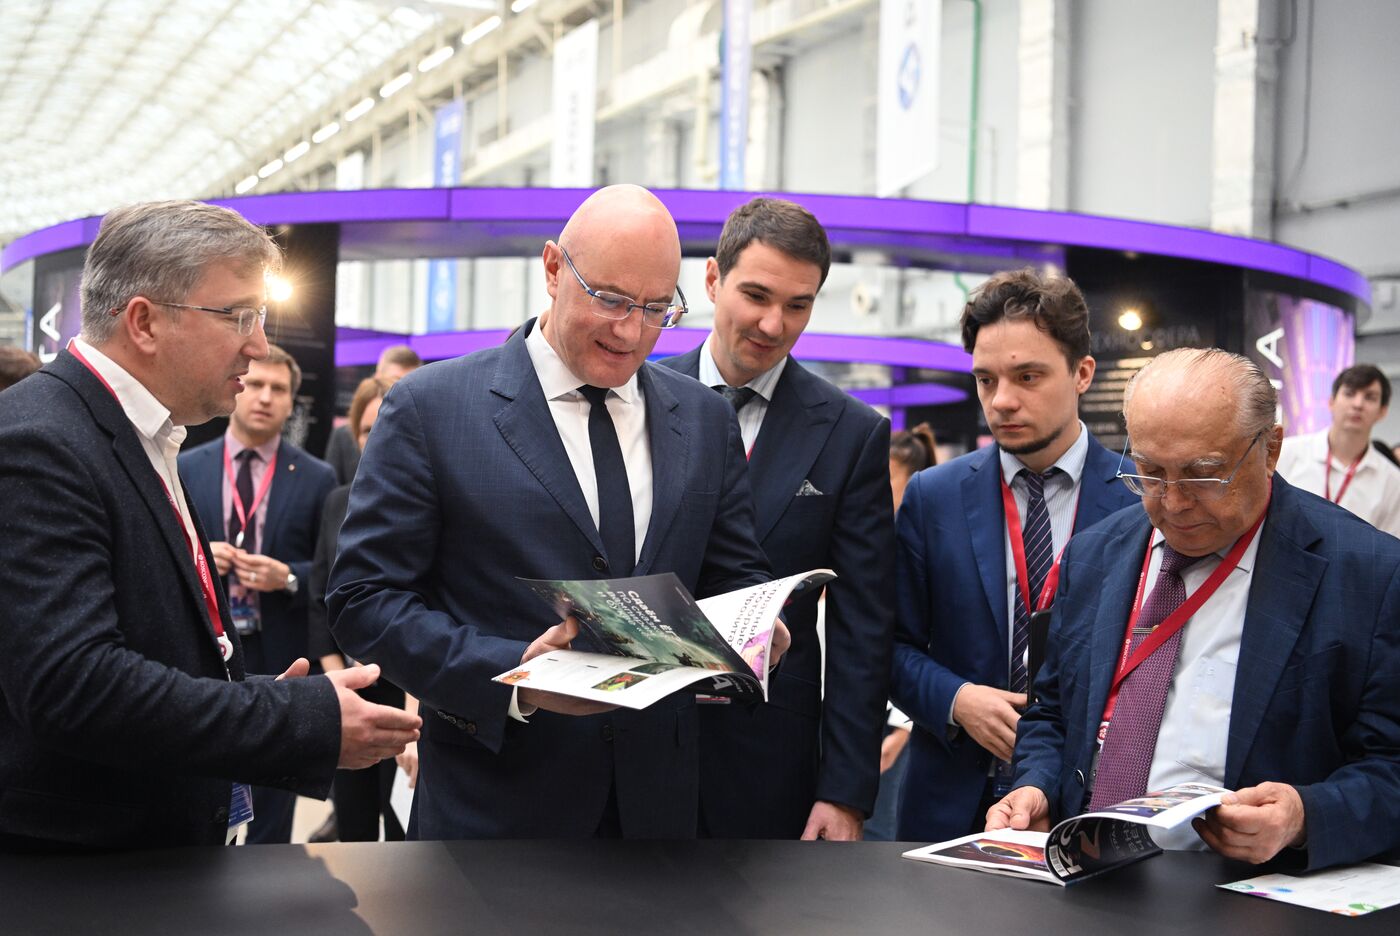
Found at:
(615, 522)
(1040, 556)
(738, 397)
(244, 486)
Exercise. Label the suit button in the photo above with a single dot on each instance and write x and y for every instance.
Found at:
(221, 815)
(469, 727)
(1079, 777)
(607, 733)
(600, 564)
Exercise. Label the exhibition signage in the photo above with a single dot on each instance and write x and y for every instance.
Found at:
(447, 170)
(906, 146)
(575, 107)
(736, 60)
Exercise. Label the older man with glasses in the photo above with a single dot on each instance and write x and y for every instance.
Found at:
(561, 454)
(1242, 634)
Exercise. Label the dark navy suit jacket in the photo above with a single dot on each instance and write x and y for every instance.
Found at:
(1317, 688)
(951, 622)
(465, 486)
(120, 727)
(798, 748)
(294, 504)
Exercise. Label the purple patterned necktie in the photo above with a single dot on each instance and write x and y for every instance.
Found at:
(1126, 759)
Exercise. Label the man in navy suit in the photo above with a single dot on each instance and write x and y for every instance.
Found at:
(560, 454)
(127, 714)
(819, 467)
(1273, 655)
(969, 571)
(263, 496)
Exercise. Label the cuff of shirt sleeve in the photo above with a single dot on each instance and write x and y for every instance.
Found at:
(954, 704)
(516, 712)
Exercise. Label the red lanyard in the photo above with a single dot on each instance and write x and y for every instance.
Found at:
(1178, 618)
(201, 563)
(1346, 479)
(1018, 553)
(252, 511)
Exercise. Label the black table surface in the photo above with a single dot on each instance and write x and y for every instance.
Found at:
(712, 887)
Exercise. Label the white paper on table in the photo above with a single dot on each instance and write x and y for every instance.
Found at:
(401, 797)
(1351, 891)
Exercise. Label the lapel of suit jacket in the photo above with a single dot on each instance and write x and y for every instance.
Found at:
(986, 524)
(279, 495)
(1100, 473)
(794, 432)
(1285, 579)
(131, 455)
(1121, 568)
(525, 423)
(670, 447)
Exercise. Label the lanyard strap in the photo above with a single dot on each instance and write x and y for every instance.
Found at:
(1018, 553)
(1178, 618)
(201, 563)
(1346, 479)
(251, 511)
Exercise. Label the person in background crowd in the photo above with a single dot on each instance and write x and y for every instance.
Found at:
(15, 365)
(911, 451)
(820, 476)
(128, 721)
(1274, 653)
(978, 540)
(342, 451)
(1337, 463)
(262, 496)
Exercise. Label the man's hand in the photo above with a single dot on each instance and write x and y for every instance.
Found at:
(833, 822)
(368, 732)
(558, 637)
(1023, 808)
(260, 573)
(408, 760)
(223, 556)
(782, 639)
(891, 747)
(299, 668)
(989, 716)
(1255, 824)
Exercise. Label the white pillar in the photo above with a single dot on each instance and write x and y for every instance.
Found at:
(1246, 88)
(1042, 154)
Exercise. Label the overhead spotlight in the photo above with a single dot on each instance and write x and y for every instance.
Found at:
(278, 288)
(520, 6)
(1130, 320)
(481, 29)
(359, 110)
(436, 58)
(270, 168)
(395, 85)
(326, 132)
(296, 152)
(245, 185)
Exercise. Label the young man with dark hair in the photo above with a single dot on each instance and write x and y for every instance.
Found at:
(979, 538)
(1337, 462)
(819, 464)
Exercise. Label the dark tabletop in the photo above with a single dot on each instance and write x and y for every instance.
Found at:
(713, 888)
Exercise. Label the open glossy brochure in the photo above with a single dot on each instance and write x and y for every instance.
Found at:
(652, 638)
(1080, 847)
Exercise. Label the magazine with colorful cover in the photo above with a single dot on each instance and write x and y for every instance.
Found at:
(1080, 847)
(651, 638)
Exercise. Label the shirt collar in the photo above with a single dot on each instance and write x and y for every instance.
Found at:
(147, 414)
(556, 380)
(710, 376)
(1071, 462)
(265, 451)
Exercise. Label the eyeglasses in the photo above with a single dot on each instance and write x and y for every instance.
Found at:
(1204, 489)
(245, 315)
(613, 306)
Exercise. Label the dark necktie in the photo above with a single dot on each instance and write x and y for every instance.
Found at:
(615, 522)
(244, 486)
(1040, 556)
(1126, 759)
(738, 397)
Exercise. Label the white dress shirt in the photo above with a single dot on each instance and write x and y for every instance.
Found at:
(751, 416)
(1374, 491)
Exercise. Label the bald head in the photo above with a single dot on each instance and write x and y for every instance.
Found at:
(1206, 380)
(622, 218)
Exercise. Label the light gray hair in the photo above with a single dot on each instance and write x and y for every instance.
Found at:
(1256, 399)
(161, 250)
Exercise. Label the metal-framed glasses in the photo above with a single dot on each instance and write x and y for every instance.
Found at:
(244, 316)
(610, 305)
(1205, 489)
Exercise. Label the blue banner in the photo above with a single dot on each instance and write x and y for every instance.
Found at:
(736, 61)
(447, 169)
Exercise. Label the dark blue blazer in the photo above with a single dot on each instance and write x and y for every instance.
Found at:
(951, 622)
(294, 505)
(1317, 689)
(120, 727)
(797, 748)
(465, 486)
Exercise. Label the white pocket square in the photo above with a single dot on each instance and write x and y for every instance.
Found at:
(807, 490)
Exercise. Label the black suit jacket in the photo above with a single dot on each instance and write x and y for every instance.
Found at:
(799, 747)
(120, 727)
(294, 504)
